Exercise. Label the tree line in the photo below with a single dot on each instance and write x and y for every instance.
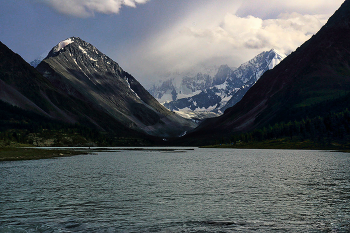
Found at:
(25, 127)
(321, 129)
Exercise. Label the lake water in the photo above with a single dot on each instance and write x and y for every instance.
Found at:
(198, 190)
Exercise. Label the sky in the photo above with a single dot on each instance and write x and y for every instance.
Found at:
(152, 38)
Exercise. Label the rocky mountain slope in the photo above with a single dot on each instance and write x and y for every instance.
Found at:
(79, 69)
(228, 86)
(312, 81)
(24, 87)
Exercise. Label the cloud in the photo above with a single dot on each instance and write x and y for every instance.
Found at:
(87, 8)
(223, 39)
(272, 8)
(180, 35)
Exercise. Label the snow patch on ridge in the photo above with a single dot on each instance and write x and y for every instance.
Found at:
(86, 53)
(182, 96)
(277, 59)
(127, 81)
(63, 44)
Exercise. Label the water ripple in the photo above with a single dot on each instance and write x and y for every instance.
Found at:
(178, 190)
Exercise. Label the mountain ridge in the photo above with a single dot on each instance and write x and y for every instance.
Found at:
(23, 86)
(74, 66)
(317, 72)
(229, 86)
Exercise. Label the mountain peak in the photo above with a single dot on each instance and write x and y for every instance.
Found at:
(78, 68)
(63, 44)
(278, 53)
(56, 50)
(275, 58)
(228, 86)
(223, 73)
(76, 42)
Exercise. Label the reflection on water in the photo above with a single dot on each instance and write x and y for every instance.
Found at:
(197, 190)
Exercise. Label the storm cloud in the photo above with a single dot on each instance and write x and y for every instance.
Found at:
(213, 36)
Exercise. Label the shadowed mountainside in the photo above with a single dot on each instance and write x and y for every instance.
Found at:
(24, 87)
(305, 84)
(78, 68)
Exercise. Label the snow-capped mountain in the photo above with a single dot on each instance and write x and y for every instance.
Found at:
(37, 61)
(229, 86)
(310, 83)
(178, 85)
(82, 71)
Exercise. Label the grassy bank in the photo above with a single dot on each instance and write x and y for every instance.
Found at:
(21, 153)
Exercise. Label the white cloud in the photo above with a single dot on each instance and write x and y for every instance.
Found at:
(206, 31)
(267, 8)
(87, 8)
(222, 39)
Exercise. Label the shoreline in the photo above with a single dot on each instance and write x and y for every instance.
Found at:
(35, 153)
(283, 144)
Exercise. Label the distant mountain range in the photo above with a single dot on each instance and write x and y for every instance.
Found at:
(178, 85)
(76, 83)
(312, 81)
(206, 94)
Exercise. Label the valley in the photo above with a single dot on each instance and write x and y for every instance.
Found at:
(174, 116)
(78, 96)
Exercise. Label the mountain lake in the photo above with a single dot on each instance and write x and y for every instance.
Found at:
(178, 190)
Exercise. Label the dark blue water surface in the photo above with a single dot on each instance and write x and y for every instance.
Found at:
(199, 190)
